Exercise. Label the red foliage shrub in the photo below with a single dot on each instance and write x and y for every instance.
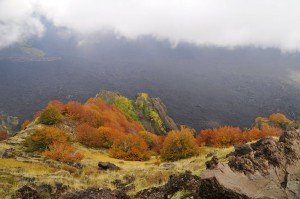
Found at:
(88, 135)
(113, 117)
(130, 147)
(179, 144)
(63, 152)
(107, 136)
(58, 105)
(270, 131)
(83, 114)
(228, 136)
(42, 138)
(153, 141)
(220, 137)
(3, 135)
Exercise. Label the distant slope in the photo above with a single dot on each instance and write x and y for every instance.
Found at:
(201, 86)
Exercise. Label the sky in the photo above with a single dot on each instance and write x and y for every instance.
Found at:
(222, 23)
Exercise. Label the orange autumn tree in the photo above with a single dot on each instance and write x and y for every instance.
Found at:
(153, 141)
(42, 138)
(220, 137)
(228, 136)
(130, 147)
(112, 117)
(87, 135)
(63, 152)
(179, 144)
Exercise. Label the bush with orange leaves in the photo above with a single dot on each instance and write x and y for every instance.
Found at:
(112, 117)
(3, 135)
(153, 141)
(220, 137)
(179, 144)
(63, 152)
(130, 147)
(83, 114)
(87, 135)
(42, 138)
(228, 136)
(103, 137)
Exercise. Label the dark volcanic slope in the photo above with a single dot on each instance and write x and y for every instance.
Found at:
(201, 87)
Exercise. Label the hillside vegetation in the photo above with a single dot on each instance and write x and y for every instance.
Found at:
(64, 144)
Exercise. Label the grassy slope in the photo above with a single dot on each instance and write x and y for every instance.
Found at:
(28, 167)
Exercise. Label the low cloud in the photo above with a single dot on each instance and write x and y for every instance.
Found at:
(230, 23)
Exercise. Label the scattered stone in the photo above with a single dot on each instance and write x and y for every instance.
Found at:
(167, 165)
(185, 181)
(26, 192)
(107, 166)
(213, 163)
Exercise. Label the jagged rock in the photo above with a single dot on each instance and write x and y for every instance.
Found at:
(265, 169)
(107, 166)
(184, 181)
(96, 193)
(8, 123)
(146, 107)
(243, 149)
(213, 163)
(210, 188)
(26, 192)
(156, 105)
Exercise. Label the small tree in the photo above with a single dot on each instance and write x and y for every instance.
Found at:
(63, 152)
(50, 116)
(42, 138)
(87, 135)
(153, 141)
(179, 144)
(130, 147)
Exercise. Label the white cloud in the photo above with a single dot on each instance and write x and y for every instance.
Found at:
(229, 23)
(17, 22)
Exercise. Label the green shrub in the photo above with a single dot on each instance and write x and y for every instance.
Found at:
(50, 116)
(126, 106)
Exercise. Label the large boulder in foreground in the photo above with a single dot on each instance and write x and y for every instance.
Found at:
(269, 168)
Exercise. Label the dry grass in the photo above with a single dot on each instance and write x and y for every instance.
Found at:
(147, 174)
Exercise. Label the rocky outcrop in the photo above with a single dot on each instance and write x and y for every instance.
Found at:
(151, 112)
(185, 181)
(8, 123)
(107, 166)
(268, 168)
